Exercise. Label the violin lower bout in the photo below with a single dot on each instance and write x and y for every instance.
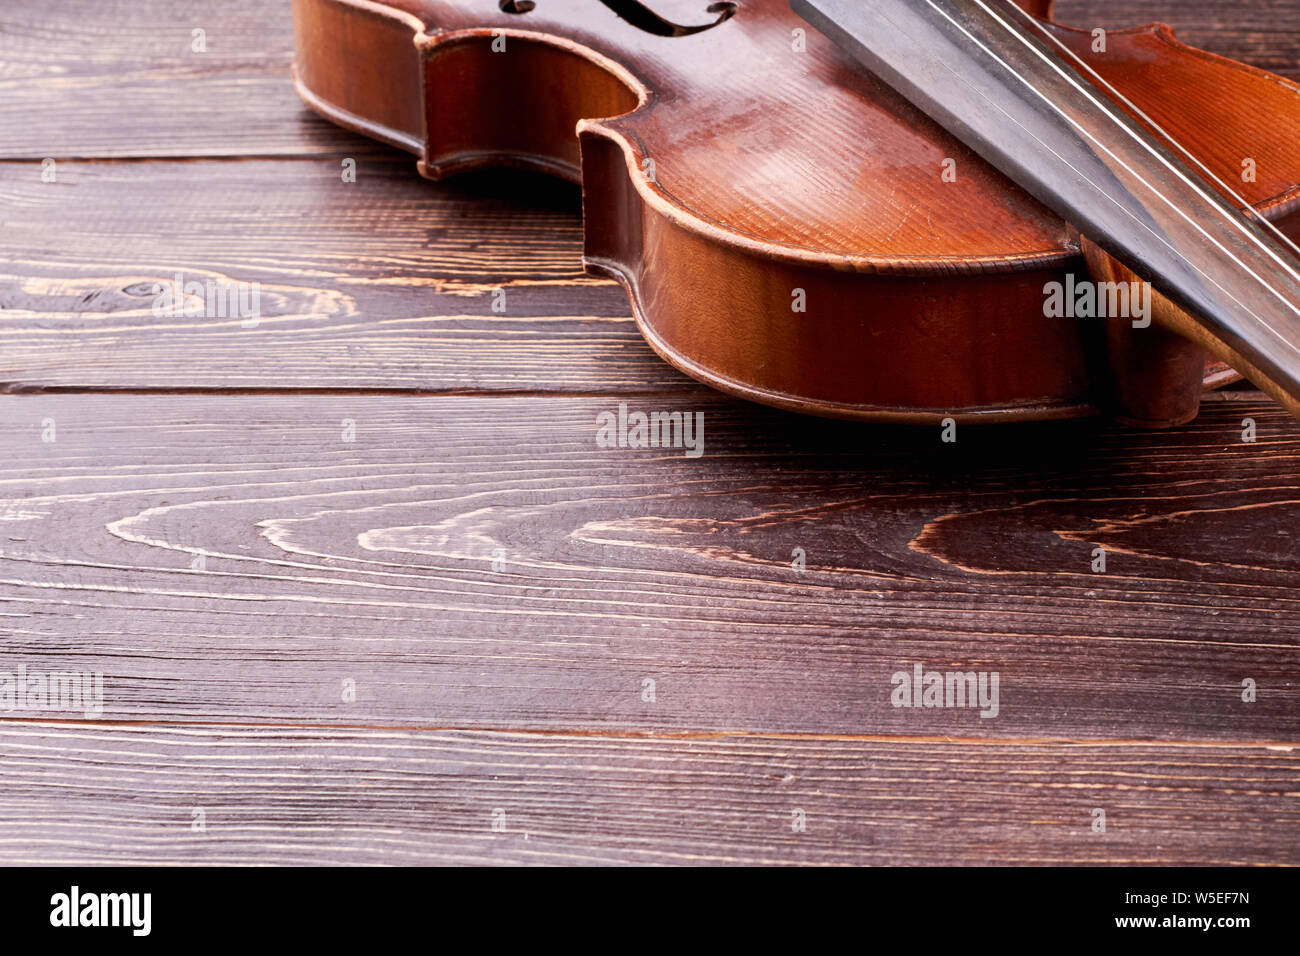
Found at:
(789, 327)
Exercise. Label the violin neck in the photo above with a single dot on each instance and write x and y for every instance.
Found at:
(991, 76)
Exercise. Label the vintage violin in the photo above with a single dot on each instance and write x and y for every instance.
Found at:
(875, 212)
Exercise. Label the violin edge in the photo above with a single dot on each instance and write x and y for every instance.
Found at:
(430, 41)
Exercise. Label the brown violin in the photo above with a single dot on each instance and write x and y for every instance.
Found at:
(889, 211)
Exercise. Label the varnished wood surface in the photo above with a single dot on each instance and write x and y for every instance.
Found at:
(725, 171)
(521, 689)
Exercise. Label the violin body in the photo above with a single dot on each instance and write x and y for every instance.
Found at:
(788, 229)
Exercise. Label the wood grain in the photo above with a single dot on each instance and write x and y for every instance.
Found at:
(372, 560)
(309, 796)
(386, 283)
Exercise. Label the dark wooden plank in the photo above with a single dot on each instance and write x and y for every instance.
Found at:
(390, 282)
(372, 561)
(312, 796)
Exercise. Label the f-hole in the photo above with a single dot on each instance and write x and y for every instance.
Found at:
(642, 17)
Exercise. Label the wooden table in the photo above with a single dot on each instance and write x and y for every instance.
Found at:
(364, 589)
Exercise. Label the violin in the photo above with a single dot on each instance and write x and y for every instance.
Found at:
(802, 216)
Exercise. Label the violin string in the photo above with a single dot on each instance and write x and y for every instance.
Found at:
(1259, 217)
(1132, 172)
(1264, 323)
(1102, 192)
(1199, 188)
